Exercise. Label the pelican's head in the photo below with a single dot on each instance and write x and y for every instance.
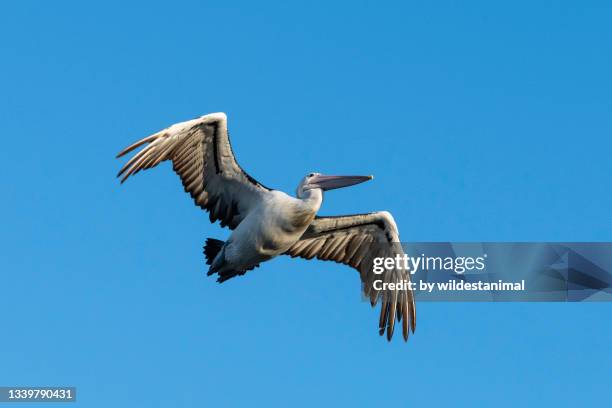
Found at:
(318, 181)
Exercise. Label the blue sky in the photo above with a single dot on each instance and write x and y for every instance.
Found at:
(481, 121)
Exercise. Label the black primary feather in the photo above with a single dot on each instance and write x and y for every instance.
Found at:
(211, 249)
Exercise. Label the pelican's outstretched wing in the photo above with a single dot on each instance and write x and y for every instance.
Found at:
(201, 155)
(355, 240)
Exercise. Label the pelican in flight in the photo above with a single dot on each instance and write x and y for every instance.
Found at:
(266, 223)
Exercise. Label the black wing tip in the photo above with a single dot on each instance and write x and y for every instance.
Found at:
(388, 326)
(390, 332)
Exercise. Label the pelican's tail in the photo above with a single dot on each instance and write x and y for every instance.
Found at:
(211, 249)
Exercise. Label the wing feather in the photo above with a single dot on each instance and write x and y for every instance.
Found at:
(355, 240)
(201, 154)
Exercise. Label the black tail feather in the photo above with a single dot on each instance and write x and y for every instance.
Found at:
(225, 275)
(211, 249)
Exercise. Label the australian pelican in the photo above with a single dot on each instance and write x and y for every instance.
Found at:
(267, 223)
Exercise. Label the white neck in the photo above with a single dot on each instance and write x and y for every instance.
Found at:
(312, 198)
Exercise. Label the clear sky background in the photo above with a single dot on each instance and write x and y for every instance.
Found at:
(482, 121)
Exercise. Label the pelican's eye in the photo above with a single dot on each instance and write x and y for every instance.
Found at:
(311, 175)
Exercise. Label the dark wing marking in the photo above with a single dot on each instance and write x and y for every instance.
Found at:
(202, 156)
(355, 240)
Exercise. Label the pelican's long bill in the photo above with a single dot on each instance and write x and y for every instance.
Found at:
(332, 182)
